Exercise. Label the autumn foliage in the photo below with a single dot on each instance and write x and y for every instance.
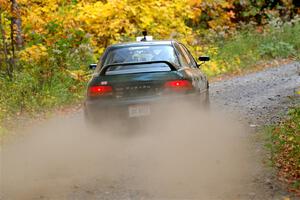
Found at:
(48, 24)
(46, 45)
(284, 145)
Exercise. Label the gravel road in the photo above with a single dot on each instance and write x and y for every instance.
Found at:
(59, 160)
(258, 97)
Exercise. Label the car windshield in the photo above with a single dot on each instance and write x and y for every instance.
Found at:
(135, 54)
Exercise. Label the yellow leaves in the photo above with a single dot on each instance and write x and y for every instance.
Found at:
(291, 138)
(34, 53)
(146, 21)
(298, 91)
(100, 50)
(195, 12)
(115, 21)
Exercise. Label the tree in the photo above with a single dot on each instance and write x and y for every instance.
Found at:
(10, 30)
(16, 24)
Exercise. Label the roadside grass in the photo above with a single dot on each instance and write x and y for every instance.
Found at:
(252, 46)
(283, 144)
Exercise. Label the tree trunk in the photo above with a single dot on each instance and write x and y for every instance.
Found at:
(16, 24)
(12, 43)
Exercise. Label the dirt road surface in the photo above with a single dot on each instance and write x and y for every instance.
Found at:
(182, 154)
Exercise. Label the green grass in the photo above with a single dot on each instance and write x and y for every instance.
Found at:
(248, 48)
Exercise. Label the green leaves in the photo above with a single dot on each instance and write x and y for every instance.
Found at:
(276, 49)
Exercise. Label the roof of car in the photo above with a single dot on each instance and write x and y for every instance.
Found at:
(154, 42)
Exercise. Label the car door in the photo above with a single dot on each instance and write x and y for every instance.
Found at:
(199, 78)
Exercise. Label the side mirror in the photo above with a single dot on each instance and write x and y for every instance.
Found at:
(204, 58)
(93, 66)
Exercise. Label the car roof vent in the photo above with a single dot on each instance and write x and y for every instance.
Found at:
(145, 37)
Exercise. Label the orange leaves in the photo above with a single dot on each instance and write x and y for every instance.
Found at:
(231, 14)
(4, 5)
(286, 145)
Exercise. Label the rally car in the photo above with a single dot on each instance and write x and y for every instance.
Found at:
(130, 79)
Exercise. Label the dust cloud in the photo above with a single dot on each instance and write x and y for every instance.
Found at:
(180, 153)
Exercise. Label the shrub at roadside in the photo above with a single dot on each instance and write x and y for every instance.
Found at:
(251, 46)
(284, 145)
(48, 76)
